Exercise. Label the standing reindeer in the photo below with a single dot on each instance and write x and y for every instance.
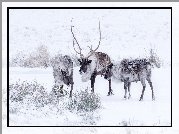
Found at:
(128, 71)
(63, 72)
(94, 64)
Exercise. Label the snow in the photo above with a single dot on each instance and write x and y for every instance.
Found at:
(124, 34)
(146, 29)
(115, 109)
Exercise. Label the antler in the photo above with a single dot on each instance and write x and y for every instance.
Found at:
(90, 48)
(92, 51)
(75, 49)
(81, 55)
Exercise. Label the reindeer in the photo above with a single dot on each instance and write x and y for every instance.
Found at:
(128, 71)
(94, 64)
(62, 72)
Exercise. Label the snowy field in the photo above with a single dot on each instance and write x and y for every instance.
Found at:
(125, 34)
(115, 110)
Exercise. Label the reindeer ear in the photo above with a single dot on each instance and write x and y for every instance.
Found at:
(79, 60)
(61, 71)
(110, 66)
(89, 61)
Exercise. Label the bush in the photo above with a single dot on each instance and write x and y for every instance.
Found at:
(39, 58)
(32, 94)
(84, 101)
(154, 59)
(17, 60)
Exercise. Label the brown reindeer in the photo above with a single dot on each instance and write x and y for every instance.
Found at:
(94, 64)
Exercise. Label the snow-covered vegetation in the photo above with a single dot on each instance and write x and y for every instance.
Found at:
(36, 36)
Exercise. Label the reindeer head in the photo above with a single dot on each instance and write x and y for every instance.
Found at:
(83, 65)
(67, 79)
(84, 61)
(62, 69)
(108, 74)
(67, 73)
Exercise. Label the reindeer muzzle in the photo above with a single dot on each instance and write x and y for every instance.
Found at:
(68, 80)
(80, 71)
(105, 77)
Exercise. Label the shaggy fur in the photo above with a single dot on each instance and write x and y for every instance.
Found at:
(95, 65)
(63, 71)
(128, 71)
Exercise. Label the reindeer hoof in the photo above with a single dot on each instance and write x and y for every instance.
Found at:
(92, 91)
(108, 94)
(153, 98)
(111, 92)
(129, 97)
(141, 99)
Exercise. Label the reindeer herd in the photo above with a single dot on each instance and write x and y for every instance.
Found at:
(98, 63)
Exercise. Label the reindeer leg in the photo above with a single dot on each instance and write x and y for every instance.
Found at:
(143, 84)
(110, 90)
(93, 81)
(129, 85)
(61, 89)
(153, 97)
(71, 89)
(125, 87)
(141, 98)
(92, 85)
(71, 82)
(150, 83)
(125, 93)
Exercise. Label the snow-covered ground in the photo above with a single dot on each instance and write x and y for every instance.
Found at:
(125, 33)
(115, 110)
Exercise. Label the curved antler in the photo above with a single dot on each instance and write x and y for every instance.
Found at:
(81, 55)
(90, 48)
(92, 51)
(75, 49)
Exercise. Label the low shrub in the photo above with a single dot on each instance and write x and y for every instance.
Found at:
(84, 101)
(154, 59)
(32, 95)
(29, 93)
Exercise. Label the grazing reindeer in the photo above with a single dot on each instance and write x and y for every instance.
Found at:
(94, 64)
(128, 71)
(63, 72)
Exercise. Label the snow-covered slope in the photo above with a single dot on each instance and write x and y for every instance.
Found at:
(125, 32)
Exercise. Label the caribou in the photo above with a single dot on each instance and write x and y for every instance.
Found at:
(128, 71)
(62, 72)
(93, 64)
